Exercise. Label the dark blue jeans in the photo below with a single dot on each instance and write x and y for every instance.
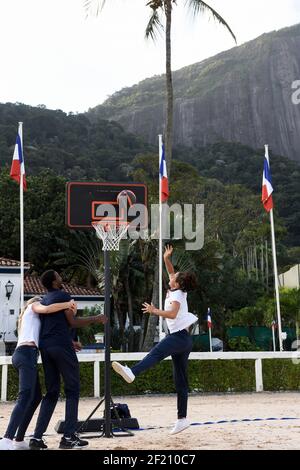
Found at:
(59, 361)
(177, 345)
(24, 360)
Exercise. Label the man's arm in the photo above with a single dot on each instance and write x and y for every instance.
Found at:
(81, 322)
(53, 308)
(77, 345)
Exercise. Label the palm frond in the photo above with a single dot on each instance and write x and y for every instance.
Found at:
(154, 26)
(183, 261)
(93, 7)
(202, 7)
(155, 4)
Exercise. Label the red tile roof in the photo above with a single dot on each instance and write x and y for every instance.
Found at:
(32, 285)
(12, 263)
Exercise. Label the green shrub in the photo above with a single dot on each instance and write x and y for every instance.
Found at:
(242, 343)
(281, 375)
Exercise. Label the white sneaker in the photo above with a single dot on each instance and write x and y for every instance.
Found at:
(21, 445)
(6, 444)
(180, 425)
(124, 371)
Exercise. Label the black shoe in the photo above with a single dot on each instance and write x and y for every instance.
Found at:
(37, 444)
(73, 442)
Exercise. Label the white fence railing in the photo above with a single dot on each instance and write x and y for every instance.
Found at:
(5, 361)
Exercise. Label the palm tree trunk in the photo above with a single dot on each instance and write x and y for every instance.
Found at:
(262, 261)
(255, 261)
(143, 327)
(267, 267)
(130, 312)
(248, 263)
(118, 314)
(153, 319)
(169, 87)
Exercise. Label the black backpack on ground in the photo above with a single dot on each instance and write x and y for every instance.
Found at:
(122, 409)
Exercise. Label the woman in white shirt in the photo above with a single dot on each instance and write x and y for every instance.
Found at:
(24, 360)
(177, 344)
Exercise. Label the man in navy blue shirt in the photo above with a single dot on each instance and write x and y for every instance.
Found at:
(59, 359)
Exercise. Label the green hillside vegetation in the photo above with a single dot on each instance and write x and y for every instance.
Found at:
(69, 144)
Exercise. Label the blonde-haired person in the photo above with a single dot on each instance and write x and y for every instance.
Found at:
(24, 360)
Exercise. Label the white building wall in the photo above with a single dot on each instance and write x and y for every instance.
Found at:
(9, 308)
(291, 278)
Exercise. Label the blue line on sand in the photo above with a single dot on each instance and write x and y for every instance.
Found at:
(223, 421)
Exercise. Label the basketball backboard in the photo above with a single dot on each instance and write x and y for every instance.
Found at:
(88, 202)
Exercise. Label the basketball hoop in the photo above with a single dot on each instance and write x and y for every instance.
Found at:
(110, 233)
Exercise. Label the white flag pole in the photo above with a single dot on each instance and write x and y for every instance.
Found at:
(209, 328)
(273, 336)
(160, 244)
(21, 219)
(275, 266)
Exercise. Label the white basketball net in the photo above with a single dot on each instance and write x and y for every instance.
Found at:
(110, 234)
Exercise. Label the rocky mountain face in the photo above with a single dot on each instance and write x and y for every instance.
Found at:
(241, 95)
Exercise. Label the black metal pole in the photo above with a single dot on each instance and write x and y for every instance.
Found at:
(107, 428)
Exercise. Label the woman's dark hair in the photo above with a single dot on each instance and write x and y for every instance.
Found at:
(47, 278)
(187, 281)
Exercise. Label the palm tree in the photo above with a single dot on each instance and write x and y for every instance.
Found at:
(164, 8)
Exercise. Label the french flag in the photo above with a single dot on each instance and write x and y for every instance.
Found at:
(267, 188)
(163, 175)
(17, 166)
(209, 322)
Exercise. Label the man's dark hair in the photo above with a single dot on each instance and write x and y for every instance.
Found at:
(187, 281)
(47, 278)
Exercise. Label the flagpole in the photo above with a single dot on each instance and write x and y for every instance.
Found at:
(275, 267)
(160, 243)
(276, 280)
(21, 221)
(273, 336)
(209, 328)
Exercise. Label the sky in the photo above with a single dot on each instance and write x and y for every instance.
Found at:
(52, 54)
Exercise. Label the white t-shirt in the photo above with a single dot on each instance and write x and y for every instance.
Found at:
(184, 318)
(30, 327)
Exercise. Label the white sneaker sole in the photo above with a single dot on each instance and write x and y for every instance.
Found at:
(177, 431)
(118, 368)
